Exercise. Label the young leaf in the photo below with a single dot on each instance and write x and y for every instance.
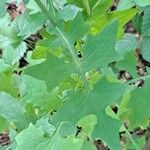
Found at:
(122, 16)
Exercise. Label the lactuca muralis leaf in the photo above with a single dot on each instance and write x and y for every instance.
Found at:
(94, 102)
(2, 8)
(128, 64)
(33, 138)
(126, 44)
(122, 16)
(8, 84)
(146, 34)
(99, 50)
(53, 71)
(10, 108)
(30, 138)
(137, 106)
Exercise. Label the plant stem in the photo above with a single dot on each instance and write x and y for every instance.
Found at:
(131, 139)
(87, 7)
(51, 6)
(96, 4)
(45, 11)
(66, 41)
(74, 56)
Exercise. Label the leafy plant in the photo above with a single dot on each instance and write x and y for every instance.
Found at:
(66, 93)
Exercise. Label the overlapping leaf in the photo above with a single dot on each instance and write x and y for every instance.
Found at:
(99, 50)
(139, 97)
(79, 105)
(125, 4)
(146, 34)
(10, 108)
(122, 16)
(53, 71)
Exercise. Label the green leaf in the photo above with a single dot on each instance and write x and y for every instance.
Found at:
(146, 34)
(100, 9)
(7, 84)
(46, 126)
(10, 108)
(129, 64)
(77, 30)
(12, 44)
(36, 93)
(53, 71)
(142, 3)
(125, 4)
(99, 50)
(12, 54)
(69, 12)
(122, 16)
(137, 22)
(145, 48)
(3, 66)
(3, 124)
(33, 138)
(3, 10)
(73, 31)
(87, 123)
(139, 97)
(34, 7)
(58, 143)
(88, 145)
(28, 24)
(79, 105)
(146, 22)
(127, 44)
(29, 138)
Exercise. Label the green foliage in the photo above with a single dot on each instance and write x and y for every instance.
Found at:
(64, 97)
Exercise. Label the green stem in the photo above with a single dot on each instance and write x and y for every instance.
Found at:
(96, 4)
(131, 139)
(51, 6)
(66, 41)
(45, 11)
(87, 7)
